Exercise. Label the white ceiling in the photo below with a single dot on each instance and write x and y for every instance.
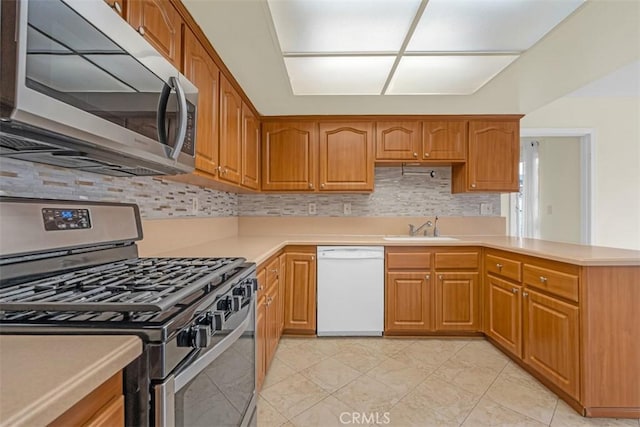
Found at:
(425, 47)
(595, 40)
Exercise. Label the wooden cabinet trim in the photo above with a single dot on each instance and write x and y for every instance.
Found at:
(456, 260)
(505, 267)
(552, 281)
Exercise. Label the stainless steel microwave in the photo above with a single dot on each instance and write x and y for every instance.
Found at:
(82, 89)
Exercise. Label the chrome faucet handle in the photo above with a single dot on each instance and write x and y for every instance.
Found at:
(412, 230)
(436, 232)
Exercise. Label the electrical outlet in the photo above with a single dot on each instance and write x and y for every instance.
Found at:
(346, 208)
(195, 205)
(312, 209)
(486, 208)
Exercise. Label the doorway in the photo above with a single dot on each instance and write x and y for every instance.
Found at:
(555, 197)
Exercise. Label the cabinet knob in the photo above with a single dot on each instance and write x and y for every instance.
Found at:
(543, 279)
(313, 257)
(310, 185)
(514, 290)
(415, 154)
(473, 186)
(499, 266)
(427, 277)
(118, 8)
(440, 276)
(426, 154)
(260, 288)
(141, 29)
(525, 294)
(322, 185)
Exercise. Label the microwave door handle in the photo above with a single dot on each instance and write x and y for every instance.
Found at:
(162, 114)
(182, 128)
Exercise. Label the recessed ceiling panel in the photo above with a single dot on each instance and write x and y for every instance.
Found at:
(338, 75)
(487, 25)
(445, 75)
(342, 25)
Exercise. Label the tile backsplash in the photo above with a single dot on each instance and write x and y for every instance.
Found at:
(395, 194)
(156, 197)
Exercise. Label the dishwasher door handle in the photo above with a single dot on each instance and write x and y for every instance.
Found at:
(350, 255)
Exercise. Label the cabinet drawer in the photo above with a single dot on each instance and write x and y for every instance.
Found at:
(273, 272)
(503, 267)
(555, 282)
(456, 260)
(408, 260)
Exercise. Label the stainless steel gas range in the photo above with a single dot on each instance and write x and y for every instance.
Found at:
(69, 267)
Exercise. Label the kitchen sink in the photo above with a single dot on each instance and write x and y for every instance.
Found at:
(418, 239)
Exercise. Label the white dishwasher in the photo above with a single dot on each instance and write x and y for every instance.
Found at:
(350, 290)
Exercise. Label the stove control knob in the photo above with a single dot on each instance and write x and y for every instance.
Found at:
(196, 336)
(214, 321)
(237, 302)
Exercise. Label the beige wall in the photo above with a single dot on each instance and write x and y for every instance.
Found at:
(616, 177)
(559, 189)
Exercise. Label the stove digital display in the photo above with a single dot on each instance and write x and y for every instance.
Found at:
(66, 219)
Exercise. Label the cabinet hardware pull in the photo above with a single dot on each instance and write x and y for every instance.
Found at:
(141, 30)
(473, 186)
(514, 290)
(260, 288)
(543, 279)
(426, 154)
(322, 185)
(525, 294)
(310, 185)
(427, 277)
(440, 277)
(499, 266)
(118, 8)
(415, 154)
(313, 257)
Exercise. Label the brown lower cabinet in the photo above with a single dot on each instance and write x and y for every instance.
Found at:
(268, 316)
(408, 302)
(300, 290)
(103, 407)
(457, 301)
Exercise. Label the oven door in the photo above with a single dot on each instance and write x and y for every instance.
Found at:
(217, 388)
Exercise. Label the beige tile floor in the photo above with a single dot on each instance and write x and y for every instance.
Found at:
(406, 382)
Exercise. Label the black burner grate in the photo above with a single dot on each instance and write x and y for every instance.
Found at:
(131, 286)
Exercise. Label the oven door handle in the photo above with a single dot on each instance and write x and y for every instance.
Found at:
(192, 370)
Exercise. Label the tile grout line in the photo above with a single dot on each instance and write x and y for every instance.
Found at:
(485, 392)
(554, 411)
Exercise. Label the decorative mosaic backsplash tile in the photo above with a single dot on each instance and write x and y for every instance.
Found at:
(394, 195)
(156, 197)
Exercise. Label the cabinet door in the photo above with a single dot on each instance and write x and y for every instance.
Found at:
(346, 156)
(494, 155)
(398, 140)
(230, 132)
(118, 6)
(551, 340)
(444, 140)
(281, 289)
(159, 23)
(504, 311)
(300, 293)
(250, 149)
(457, 302)
(289, 156)
(408, 302)
(200, 69)
(272, 323)
(261, 329)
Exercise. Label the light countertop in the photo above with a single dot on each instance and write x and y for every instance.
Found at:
(259, 248)
(42, 376)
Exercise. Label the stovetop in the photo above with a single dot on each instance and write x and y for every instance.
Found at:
(139, 288)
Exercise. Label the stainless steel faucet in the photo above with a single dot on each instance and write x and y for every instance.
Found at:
(413, 230)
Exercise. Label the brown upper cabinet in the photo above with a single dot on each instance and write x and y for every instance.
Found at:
(250, 149)
(398, 140)
(493, 158)
(289, 156)
(230, 133)
(200, 69)
(160, 23)
(346, 156)
(118, 6)
(444, 140)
